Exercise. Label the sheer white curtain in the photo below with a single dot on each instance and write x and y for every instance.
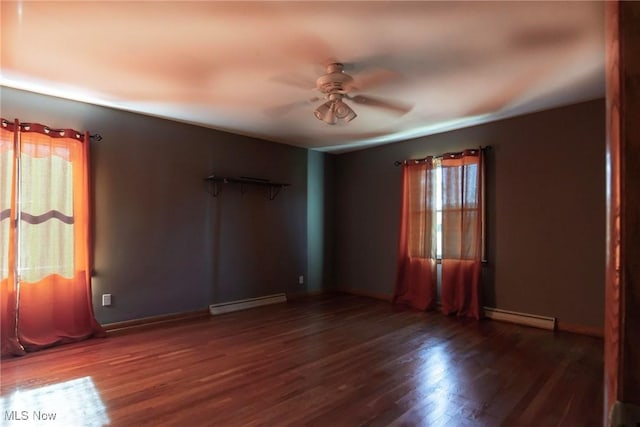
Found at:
(416, 273)
(462, 212)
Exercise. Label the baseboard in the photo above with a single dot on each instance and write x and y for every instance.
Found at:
(146, 322)
(228, 307)
(375, 295)
(580, 329)
(526, 319)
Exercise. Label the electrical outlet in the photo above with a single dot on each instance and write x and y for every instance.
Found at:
(301, 280)
(106, 300)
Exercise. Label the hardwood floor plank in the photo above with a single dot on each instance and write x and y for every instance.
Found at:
(338, 361)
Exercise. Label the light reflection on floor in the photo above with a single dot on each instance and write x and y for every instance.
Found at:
(435, 383)
(70, 403)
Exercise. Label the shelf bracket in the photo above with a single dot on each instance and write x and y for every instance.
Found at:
(215, 190)
(274, 191)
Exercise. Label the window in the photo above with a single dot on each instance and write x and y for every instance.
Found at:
(442, 219)
(438, 199)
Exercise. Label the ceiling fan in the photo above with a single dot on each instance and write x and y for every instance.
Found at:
(335, 87)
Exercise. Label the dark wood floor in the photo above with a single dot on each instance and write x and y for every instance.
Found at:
(326, 361)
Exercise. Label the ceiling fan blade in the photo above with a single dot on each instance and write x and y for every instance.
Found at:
(539, 38)
(312, 49)
(281, 110)
(295, 80)
(365, 64)
(381, 103)
(373, 79)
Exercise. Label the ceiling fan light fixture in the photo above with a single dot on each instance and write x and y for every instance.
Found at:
(321, 111)
(330, 117)
(334, 109)
(344, 112)
(326, 113)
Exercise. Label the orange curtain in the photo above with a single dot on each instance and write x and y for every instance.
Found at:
(462, 199)
(8, 285)
(416, 274)
(51, 251)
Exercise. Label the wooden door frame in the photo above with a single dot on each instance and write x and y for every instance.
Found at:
(622, 289)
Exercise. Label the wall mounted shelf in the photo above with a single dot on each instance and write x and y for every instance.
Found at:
(214, 182)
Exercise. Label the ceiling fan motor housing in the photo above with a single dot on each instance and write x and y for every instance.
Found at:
(335, 81)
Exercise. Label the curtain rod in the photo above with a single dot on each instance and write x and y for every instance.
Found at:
(400, 162)
(95, 136)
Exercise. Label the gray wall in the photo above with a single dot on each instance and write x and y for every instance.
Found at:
(546, 212)
(320, 193)
(162, 243)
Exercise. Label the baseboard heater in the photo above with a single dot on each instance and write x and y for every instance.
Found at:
(536, 321)
(243, 304)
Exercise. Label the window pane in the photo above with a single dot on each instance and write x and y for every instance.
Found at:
(422, 200)
(45, 249)
(460, 183)
(46, 235)
(439, 234)
(46, 184)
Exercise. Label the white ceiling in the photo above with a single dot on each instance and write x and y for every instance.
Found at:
(226, 65)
